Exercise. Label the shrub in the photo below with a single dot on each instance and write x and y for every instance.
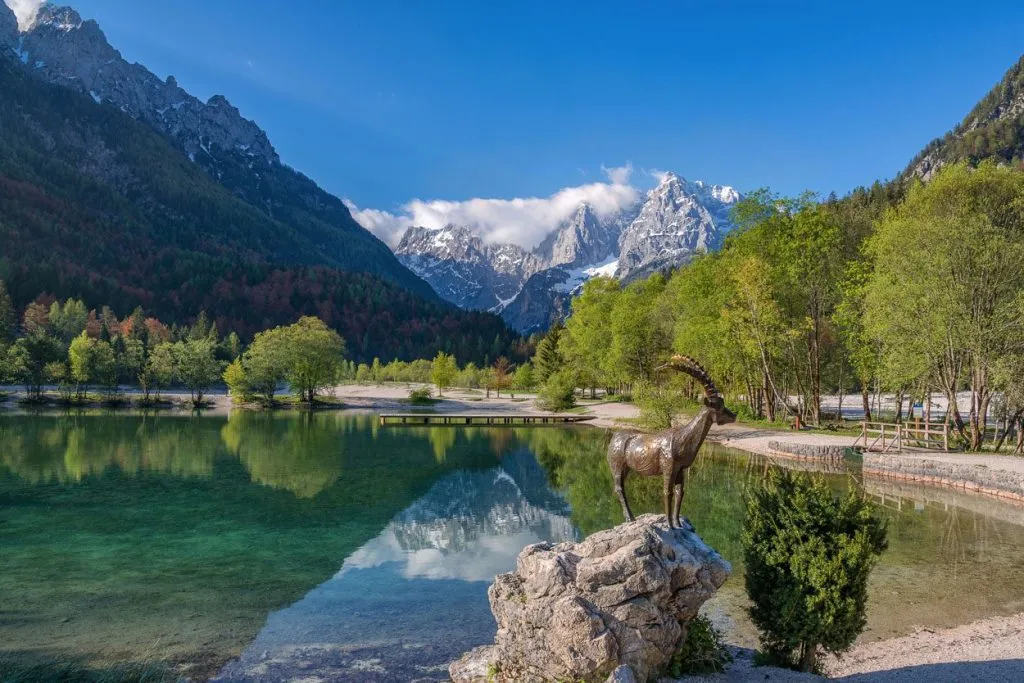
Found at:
(420, 397)
(808, 555)
(659, 403)
(703, 652)
(558, 392)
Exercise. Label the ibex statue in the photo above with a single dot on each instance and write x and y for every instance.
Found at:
(668, 453)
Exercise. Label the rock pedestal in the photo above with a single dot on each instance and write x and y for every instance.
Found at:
(579, 611)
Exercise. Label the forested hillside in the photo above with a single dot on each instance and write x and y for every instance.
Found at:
(994, 129)
(97, 205)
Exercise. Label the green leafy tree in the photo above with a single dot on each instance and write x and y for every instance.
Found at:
(586, 343)
(80, 358)
(640, 334)
(28, 357)
(68, 320)
(951, 308)
(160, 368)
(196, 365)
(103, 367)
(443, 371)
(266, 362)
(317, 352)
(238, 383)
(807, 557)
(522, 379)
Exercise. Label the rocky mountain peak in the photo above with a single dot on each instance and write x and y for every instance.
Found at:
(62, 48)
(58, 18)
(580, 240)
(463, 269)
(678, 219)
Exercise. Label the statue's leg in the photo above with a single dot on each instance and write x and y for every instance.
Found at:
(668, 498)
(680, 489)
(620, 491)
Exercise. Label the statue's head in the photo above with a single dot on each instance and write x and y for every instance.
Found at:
(722, 415)
(713, 399)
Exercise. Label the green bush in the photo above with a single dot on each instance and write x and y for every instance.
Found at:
(703, 652)
(659, 404)
(558, 392)
(420, 397)
(808, 555)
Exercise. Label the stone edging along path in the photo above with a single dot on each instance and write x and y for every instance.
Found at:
(975, 474)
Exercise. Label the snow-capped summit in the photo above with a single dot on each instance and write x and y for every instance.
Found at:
(679, 218)
(675, 220)
(464, 270)
(580, 240)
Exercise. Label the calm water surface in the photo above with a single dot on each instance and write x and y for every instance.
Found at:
(268, 547)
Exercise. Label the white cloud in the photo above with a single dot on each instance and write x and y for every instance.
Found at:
(26, 11)
(387, 226)
(619, 175)
(522, 221)
(657, 174)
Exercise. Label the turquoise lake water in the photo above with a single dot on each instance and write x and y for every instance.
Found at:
(290, 546)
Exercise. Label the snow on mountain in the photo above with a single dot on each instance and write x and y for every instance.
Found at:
(464, 270)
(678, 219)
(582, 239)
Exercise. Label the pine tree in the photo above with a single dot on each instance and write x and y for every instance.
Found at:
(808, 556)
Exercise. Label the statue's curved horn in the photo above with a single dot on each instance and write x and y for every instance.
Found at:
(694, 369)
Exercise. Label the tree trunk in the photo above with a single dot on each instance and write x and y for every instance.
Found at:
(808, 656)
(769, 400)
(866, 397)
(1009, 423)
(815, 371)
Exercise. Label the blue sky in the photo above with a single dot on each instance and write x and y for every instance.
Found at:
(382, 102)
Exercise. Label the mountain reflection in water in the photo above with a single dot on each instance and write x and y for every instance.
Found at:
(414, 597)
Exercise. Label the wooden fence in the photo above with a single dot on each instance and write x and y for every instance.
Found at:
(890, 437)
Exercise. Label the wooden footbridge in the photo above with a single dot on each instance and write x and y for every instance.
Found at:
(454, 420)
(890, 437)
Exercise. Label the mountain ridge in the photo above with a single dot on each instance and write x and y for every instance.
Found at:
(105, 207)
(63, 49)
(663, 229)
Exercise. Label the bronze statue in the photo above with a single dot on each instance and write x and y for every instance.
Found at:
(668, 453)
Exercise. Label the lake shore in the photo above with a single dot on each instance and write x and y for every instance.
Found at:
(986, 649)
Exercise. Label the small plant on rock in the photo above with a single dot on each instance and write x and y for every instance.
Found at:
(808, 554)
(703, 652)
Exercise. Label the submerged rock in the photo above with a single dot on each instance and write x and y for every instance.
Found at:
(580, 611)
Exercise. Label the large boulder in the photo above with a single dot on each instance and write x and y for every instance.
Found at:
(579, 611)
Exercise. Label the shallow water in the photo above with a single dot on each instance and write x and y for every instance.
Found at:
(269, 546)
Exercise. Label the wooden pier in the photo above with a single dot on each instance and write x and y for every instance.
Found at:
(451, 420)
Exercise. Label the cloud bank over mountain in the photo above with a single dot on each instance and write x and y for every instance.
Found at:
(522, 221)
(26, 11)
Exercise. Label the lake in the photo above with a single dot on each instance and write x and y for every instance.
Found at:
(266, 546)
